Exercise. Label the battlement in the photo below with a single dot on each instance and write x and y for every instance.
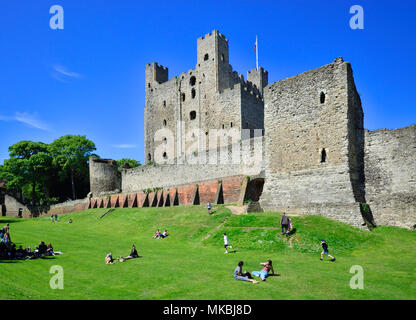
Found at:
(211, 34)
(156, 73)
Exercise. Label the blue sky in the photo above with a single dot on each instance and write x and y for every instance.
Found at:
(89, 78)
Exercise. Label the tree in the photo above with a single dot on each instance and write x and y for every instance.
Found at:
(71, 154)
(131, 163)
(27, 170)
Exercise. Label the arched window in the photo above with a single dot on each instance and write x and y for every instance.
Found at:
(192, 115)
(322, 98)
(149, 157)
(231, 125)
(165, 156)
(222, 57)
(223, 126)
(323, 155)
(206, 57)
(164, 123)
(192, 81)
(164, 103)
(193, 93)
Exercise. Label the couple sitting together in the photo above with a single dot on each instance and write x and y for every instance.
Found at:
(239, 275)
(133, 254)
(159, 235)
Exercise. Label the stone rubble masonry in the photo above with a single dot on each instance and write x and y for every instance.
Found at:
(211, 96)
(103, 175)
(390, 175)
(299, 126)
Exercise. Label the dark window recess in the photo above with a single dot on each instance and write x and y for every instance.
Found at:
(165, 156)
(164, 123)
(231, 124)
(206, 57)
(322, 98)
(164, 103)
(149, 157)
(192, 115)
(183, 96)
(222, 57)
(323, 155)
(193, 93)
(192, 81)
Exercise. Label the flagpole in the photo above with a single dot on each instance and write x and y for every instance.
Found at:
(257, 54)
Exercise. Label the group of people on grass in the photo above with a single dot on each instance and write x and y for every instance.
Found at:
(160, 235)
(133, 254)
(54, 217)
(9, 251)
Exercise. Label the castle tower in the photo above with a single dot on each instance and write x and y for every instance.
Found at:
(259, 78)
(213, 60)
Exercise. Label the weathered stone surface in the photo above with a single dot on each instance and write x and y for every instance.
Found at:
(299, 126)
(390, 175)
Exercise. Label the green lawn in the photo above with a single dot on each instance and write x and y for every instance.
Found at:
(190, 265)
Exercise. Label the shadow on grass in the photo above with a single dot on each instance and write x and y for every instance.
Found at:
(10, 220)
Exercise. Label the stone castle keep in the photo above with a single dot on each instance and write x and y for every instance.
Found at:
(310, 153)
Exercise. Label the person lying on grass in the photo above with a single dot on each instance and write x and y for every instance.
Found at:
(267, 266)
(239, 275)
(109, 259)
(325, 250)
(133, 254)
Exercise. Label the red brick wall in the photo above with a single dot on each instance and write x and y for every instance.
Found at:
(231, 187)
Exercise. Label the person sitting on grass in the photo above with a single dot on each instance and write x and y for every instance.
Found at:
(157, 234)
(164, 234)
(238, 274)
(109, 259)
(49, 250)
(325, 250)
(133, 254)
(265, 271)
(20, 253)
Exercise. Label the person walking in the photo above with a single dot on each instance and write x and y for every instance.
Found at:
(284, 223)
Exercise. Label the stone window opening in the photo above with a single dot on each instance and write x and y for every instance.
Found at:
(193, 93)
(231, 125)
(192, 115)
(222, 57)
(164, 123)
(165, 156)
(206, 57)
(223, 126)
(323, 155)
(192, 81)
(183, 96)
(165, 141)
(164, 103)
(322, 97)
(149, 157)
(148, 85)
